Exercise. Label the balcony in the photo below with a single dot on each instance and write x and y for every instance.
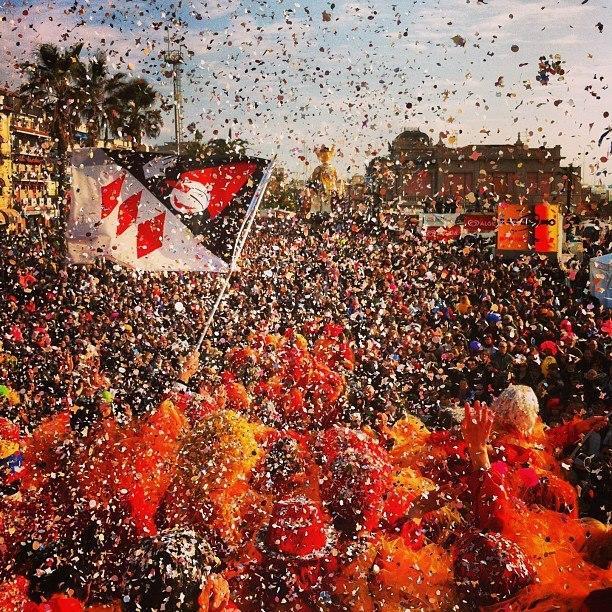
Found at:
(412, 202)
(29, 150)
(31, 177)
(24, 125)
(37, 205)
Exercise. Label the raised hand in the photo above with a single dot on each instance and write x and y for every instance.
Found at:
(476, 429)
(190, 366)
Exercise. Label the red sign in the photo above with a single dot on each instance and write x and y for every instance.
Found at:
(443, 234)
(479, 223)
(514, 230)
(546, 232)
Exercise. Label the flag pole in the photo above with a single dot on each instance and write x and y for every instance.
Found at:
(245, 228)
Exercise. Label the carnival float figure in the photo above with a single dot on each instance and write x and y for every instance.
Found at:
(254, 495)
(325, 186)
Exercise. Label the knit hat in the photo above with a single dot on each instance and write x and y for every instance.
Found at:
(493, 317)
(517, 408)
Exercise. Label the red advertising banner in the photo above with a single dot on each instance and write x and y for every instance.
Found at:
(443, 234)
(517, 226)
(479, 223)
(546, 231)
(450, 226)
(513, 231)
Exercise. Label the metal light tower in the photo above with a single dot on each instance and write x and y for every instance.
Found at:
(174, 57)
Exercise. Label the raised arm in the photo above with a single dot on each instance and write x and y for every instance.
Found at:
(180, 395)
(190, 366)
(476, 428)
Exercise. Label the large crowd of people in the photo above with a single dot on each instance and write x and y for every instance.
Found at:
(375, 422)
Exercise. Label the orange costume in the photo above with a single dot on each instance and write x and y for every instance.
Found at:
(523, 498)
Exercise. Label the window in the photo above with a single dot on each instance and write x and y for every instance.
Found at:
(458, 183)
(503, 183)
(417, 183)
(539, 184)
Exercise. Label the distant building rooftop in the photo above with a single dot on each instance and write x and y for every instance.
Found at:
(410, 139)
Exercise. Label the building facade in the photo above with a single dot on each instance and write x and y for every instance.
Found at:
(417, 173)
(28, 180)
(6, 167)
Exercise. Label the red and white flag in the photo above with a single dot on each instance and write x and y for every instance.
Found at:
(158, 212)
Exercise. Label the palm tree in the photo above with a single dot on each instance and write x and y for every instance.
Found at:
(52, 85)
(136, 99)
(221, 148)
(99, 103)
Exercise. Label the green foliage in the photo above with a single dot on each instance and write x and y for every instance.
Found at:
(53, 84)
(138, 116)
(219, 147)
(282, 193)
(72, 91)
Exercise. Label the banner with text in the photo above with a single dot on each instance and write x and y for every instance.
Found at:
(442, 227)
(514, 231)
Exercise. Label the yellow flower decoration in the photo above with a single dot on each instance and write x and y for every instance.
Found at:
(220, 451)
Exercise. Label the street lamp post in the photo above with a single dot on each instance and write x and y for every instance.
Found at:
(174, 57)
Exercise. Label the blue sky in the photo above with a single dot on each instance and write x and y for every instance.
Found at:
(286, 77)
